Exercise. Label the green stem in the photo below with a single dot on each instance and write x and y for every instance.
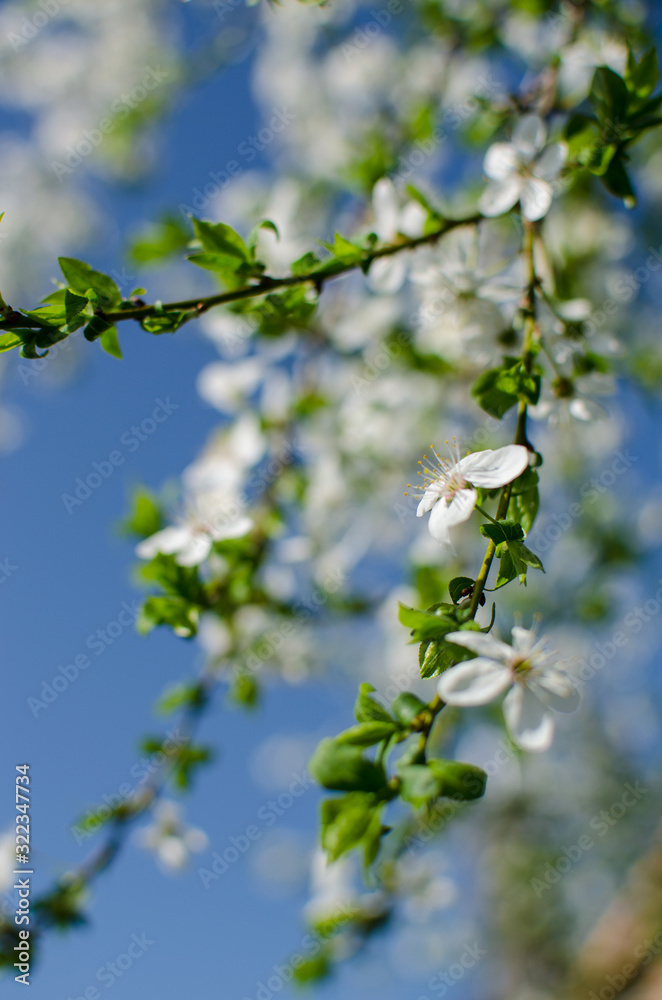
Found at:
(529, 311)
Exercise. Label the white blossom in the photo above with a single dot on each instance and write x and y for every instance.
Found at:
(537, 683)
(450, 492)
(388, 273)
(522, 170)
(170, 839)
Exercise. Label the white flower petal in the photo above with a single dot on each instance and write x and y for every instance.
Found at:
(167, 541)
(387, 274)
(429, 499)
(535, 198)
(490, 469)
(172, 853)
(482, 644)
(196, 551)
(501, 161)
(557, 690)
(234, 529)
(549, 164)
(529, 136)
(445, 515)
(412, 219)
(524, 639)
(386, 209)
(474, 682)
(500, 196)
(530, 724)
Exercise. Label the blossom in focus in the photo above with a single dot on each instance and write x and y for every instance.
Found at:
(450, 492)
(537, 683)
(170, 839)
(522, 170)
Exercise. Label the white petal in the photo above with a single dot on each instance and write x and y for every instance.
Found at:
(234, 529)
(445, 515)
(474, 682)
(196, 551)
(529, 135)
(500, 196)
(524, 639)
(195, 840)
(483, 644)
(501, 161)
(529, 722)
(549, 164)
(412, 219)
(489, 469)
(172, 853)
(429, 499)
(387, 274)
(166, 541)
(557, 690)
(535, 198)
(386, 209)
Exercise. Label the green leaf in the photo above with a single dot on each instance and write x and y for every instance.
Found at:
(306, 264)
(279, 312)
(145, 517)
(490, 397)
(423, 783)
(244, 690)
(219, 238)
(459, 780)
(507, 569)
(407, 706)
(166, 322)
(345, 821)
(426, 625)
(524, 499)
(159, 241)
(96, 327)
(73, 305)
(458, 585)
(609, 95)
(344, 250)
(420, 784)
(9, 340)
(366, 734)
(80, 278)
(366, 709)
(502, 531)
(617, 182)
(641, 77)
(515, 558)
(313, 970)
(343, 768)
(110, 342)
(434, 657)
(175, 612)
(180, 696)
(187, 760)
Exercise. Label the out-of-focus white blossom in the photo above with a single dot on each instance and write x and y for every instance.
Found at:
(531, 671)
(171, 840)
